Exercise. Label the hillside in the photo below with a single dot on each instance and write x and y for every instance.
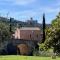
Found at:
(18, 23)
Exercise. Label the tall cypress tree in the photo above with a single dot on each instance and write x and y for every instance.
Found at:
(11, 25)
(43, 28)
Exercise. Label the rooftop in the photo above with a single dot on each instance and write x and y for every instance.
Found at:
(29, 28)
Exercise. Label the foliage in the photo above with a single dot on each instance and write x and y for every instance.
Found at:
(43, 28)
(53, 35)
(4, 30)
(44, 52)
(41, 47)
(4, 33)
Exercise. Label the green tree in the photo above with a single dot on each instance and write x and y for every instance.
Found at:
(43, 28)
(53, 35)
(4, 33)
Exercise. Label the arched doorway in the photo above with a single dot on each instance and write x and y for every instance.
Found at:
(23, 49)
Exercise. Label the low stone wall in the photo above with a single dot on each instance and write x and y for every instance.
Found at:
(20, 47)
(25, 47)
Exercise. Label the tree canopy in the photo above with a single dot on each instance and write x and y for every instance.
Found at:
(53, 35)
(4, 32)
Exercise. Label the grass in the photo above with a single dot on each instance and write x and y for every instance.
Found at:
(17, 57)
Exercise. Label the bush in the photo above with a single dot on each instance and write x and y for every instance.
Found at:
(46, 53)
(54, 56)
(36, 53)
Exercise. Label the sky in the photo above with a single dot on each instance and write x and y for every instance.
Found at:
(24, 9)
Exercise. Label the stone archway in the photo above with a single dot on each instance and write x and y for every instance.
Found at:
(23, 49)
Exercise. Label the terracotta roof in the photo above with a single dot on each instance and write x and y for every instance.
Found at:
(29, 28)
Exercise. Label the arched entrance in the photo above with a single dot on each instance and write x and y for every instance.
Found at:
(23, 49)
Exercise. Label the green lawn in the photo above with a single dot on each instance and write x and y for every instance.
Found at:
(26, 58)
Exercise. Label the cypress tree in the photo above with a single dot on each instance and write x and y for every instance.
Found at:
(11, 25)
(43, 28)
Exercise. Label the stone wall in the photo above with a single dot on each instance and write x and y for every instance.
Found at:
(25, 47)
(20, 47)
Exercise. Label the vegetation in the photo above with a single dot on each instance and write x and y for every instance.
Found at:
(43, 28)
(53, 36)
(4, 33)
(26, 58)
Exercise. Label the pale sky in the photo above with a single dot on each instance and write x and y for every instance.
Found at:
(24, 9)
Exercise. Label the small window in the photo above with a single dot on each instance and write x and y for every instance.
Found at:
(37, 35)
(30, 35)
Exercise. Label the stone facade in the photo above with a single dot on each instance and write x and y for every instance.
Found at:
(26, 39)
(28, 33)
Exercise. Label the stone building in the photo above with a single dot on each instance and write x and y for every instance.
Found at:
(26, 39)
(28, 33)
